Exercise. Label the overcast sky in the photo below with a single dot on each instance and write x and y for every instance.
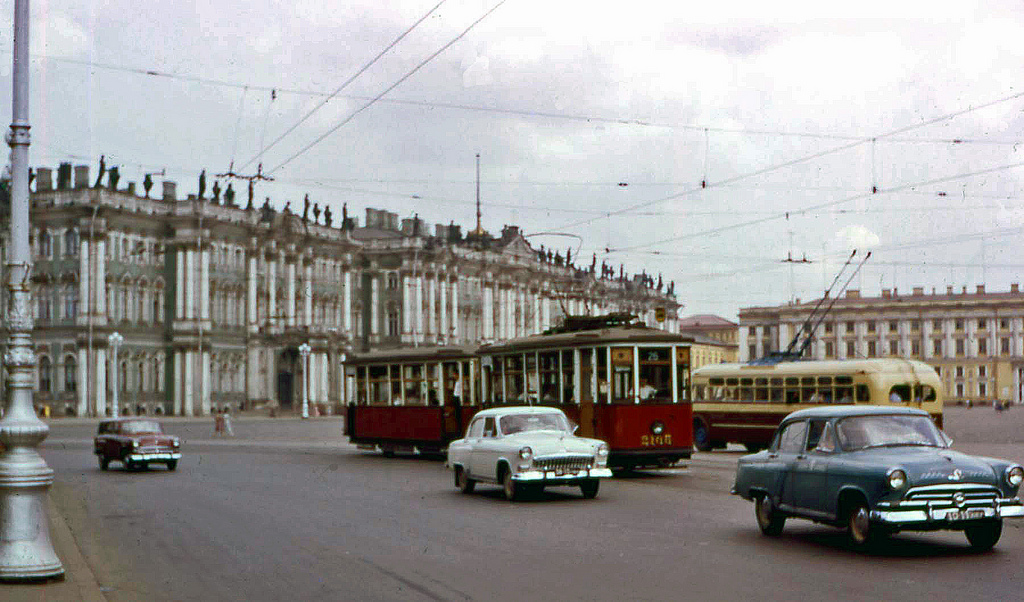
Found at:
(706, 142)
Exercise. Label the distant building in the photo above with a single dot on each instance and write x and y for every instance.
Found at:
(974, 339)
(714, 339)
(214, 298)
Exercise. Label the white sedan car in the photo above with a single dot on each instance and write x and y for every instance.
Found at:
(527, 448)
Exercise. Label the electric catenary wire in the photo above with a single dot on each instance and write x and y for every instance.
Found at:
(388, 89)
(264, 149)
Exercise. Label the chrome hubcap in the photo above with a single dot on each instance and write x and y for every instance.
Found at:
(860, 524)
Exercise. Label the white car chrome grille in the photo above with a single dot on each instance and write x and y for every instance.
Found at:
(569, 462)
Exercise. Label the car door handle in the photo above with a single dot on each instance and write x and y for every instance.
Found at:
(801, 456)
(773, 455)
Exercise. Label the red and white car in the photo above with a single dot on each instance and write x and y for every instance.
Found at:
(136, 443)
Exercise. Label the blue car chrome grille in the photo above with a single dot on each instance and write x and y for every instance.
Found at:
(948, 494)
(574, 462)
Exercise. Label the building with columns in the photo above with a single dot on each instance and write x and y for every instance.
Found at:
(974, 339)
(213, 299)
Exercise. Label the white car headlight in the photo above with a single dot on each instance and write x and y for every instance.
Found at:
(897, 479)
(525, 453)
(602, 450)
(1015, 476)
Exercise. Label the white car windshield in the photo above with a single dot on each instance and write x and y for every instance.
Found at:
(861, 432)
(519, 423)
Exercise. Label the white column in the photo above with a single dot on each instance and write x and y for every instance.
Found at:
(407, 296)
(374, 304)
(546, 313)
(538, 325)
(442, 312)
(204, 284)
(188, 387)
(83, 382)
(251, 316)
(186, 284)
(290, 284)
(83, 285)
(502, 313)
(205, 385)
(455, 331)
(488, 311)
(307, 295)
(272, 291)
(179, 380)
(521, 306)
(100, 390)
(346, 308)
(418, 335)
(252, 388)
(431, 305)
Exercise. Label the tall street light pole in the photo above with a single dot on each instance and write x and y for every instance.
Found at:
(115, 340)
(26, 552)
(304, 350)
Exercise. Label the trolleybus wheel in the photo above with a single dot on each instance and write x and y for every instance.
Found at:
(589, 488)
(462, 480)
(701, 436)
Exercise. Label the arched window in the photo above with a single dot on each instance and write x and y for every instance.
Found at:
(70, 374)
(71, 242)
(44, 244)
(45, 375)
(156, 375)
(141, 385)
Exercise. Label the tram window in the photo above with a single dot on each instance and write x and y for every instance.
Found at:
(568, 369)
(602, 375)
(792, 381)
(622, 385)
(745, 393)
(844, 394)
(793, 395)
(863, 393)
(548, 366)
(760, 381)
(824, 380)
(732, 381)
(746, 382)
(586, 376)
(776, 394)
(698, 392)
(761, 393)
(716, 381)
(810, 393)
(844, 380)
(776, 382)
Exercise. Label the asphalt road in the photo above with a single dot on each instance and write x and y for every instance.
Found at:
(287, 511)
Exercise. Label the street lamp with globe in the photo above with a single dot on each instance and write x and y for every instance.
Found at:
(115, 340)
(304, 350)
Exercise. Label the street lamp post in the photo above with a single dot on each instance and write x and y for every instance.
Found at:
(26, 552)
(304, 350)
(115, 341)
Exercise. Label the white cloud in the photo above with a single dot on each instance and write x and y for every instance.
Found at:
(856, 237)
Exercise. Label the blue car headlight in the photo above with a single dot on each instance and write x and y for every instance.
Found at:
(1015, 476)
(897, 479)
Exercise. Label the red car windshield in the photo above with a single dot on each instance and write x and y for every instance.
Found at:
(140, 426)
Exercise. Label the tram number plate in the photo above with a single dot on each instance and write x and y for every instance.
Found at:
(964, 514)
(655, 440)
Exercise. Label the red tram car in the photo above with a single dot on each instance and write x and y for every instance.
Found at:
(617, 379)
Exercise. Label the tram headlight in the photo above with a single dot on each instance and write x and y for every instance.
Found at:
(897, 479)
(1015, 476)
(657, 427)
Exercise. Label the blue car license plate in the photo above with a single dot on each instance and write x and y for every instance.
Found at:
(964, 514)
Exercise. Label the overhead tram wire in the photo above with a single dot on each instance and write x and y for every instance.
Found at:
(799, 160)
(348, 81)
(388, 89)
(783, 214)
(504, 111)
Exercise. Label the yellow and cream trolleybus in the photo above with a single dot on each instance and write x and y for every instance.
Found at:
(744, 403)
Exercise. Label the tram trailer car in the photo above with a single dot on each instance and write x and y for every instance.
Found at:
(408, 400)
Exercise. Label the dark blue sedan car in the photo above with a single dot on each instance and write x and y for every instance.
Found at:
(875, 471)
